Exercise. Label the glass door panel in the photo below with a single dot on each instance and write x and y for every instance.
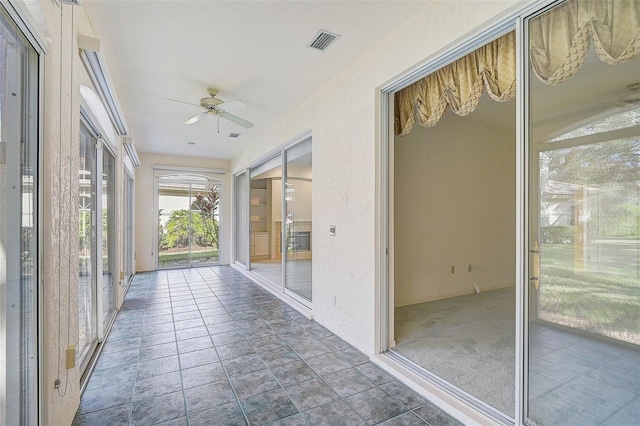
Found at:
(584, 238)
(18, 226)
(108, 229)
(174, 226)
(205, 220)
(87, 298)
(189, 221)
(297, 232)
(265, 213)
(129, 234)
(241, 212)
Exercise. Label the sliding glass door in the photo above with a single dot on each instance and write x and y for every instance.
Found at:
(584, 230)
(297, 219)
(129, 228)
(19, 231)
(87, 255)
(189, 220)
(241, 236)
(265, 212)
(273, 219)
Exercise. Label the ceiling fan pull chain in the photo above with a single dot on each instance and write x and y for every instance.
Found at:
(218, 123)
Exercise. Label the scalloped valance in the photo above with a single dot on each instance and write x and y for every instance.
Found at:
(560, 39)
(559, 42)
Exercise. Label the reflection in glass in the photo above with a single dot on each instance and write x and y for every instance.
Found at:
(108, 236)
(298, 218)
(241, 232)
(584, 300)
(88, 333)
(265, 213)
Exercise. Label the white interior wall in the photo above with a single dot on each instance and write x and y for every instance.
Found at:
(342, 117)
(146, 223)
(455, 206)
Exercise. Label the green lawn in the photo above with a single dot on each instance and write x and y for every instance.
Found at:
(182, 258)
(601, 297)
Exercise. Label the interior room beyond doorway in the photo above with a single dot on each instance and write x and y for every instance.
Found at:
(454, 224)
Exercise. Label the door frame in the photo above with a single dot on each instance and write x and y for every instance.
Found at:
(513, 19)
(212, 175)
(280, 151)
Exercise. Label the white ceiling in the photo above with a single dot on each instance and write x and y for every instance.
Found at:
(253, 51)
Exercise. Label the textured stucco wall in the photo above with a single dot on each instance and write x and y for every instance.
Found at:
(63, 75)
(342, 118)
(146, 216)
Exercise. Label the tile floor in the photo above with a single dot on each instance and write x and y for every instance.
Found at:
(207, 346)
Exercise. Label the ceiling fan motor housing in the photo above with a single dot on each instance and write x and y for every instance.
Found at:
(210, 103)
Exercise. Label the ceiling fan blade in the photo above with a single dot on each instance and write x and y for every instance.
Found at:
(232, 106)
(234, 118)
(195, 118)
(182, 102)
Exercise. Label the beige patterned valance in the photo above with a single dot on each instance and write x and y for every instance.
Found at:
(459, 86)
(560, 39)
(559, 42)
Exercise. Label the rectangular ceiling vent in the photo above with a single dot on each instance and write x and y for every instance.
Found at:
(234, 135)
(322, 40)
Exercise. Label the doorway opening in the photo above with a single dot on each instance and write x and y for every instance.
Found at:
(454, 269)
(188, 220)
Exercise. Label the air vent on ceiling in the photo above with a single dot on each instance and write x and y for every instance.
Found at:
(234, 135)
(322, 40)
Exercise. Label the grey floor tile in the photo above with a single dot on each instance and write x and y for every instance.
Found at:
(375, 405)
(336, 413)
(158, 339)
(402, 393)
(243, 365)
(225, 415)
(164, 327)
(311, 393)
(348, 382)
(435, 416)
(234, 350)
(353, 356)
(222, 327)
(113, 416)
(195, 344)
(180, 421)
(335, 343)
(228, 337)
(122, 345)
(158, 409)
(295, 420)
(190, 323)
(327, 363)
(191, 333)
(293, 372)
(157, 385)
(117, 359)
(197, 358)
(254, 383)
(374, 373)
(203, 374)
(279, 356)
(158, 366)
(406, 419)
(267, 407)
(208, 396)
(158, 351)
(110, 396)
(112, 376)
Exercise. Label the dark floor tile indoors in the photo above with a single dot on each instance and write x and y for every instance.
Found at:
(208, 346)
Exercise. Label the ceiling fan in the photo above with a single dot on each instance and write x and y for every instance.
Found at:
(217, 107)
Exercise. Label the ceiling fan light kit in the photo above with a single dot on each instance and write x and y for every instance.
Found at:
(217, 107)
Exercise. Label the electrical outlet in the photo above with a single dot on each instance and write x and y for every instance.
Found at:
(453, 269)
(71, 357)
(332, 230)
